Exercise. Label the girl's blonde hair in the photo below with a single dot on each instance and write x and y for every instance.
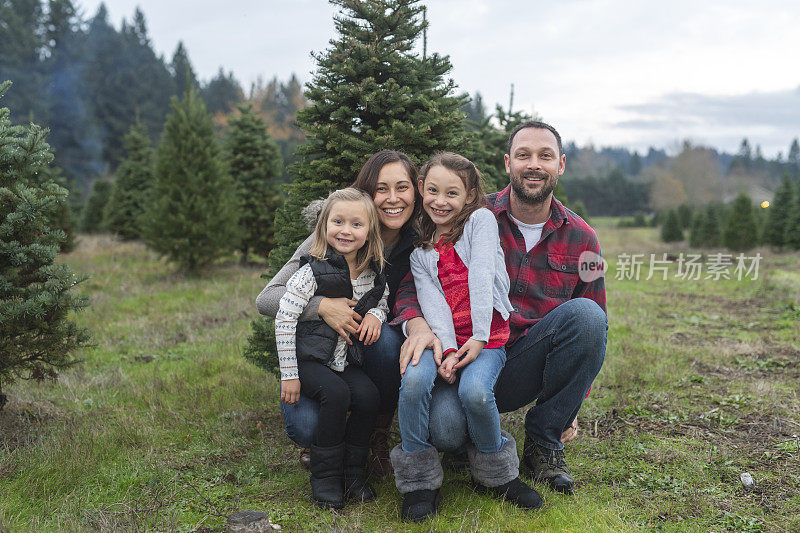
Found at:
(373, 247)
(472, 180)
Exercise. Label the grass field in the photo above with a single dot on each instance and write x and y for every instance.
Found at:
(165, 427)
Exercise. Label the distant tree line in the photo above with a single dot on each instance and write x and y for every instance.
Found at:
(739, 225)
(90, 82)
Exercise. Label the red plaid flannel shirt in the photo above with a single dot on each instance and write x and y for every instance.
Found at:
(541, 279)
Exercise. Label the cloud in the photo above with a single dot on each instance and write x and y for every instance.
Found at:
(778, 110)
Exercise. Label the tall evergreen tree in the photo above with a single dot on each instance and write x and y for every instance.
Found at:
(685, 215)
(792, 236)
(671, 230)
(36, 293)
(696, 229)
(776, 229)
(370, 91)
(191, 217)
(740, 231)
(182, 71)
(222, 93)
(131, 188)
(794, 156)
(92, 220)
(255, 165)
(22, 43)
(711, 230)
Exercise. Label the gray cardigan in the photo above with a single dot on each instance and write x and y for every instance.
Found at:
(479, 248)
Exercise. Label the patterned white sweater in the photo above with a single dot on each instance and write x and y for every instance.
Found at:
(299, 290)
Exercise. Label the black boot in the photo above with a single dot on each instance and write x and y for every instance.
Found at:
(327, 469)
(355, 486)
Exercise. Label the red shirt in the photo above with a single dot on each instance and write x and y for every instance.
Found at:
(454, 275)
(541, 279)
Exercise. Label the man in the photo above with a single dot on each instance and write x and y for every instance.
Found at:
(559, 324)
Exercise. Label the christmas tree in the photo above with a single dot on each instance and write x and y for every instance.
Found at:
(671, 230)
(792, 236)
(740, 228)
(695, 231)
(255, 165)
(134, 179)
(36, 297)
(191, 217)
(371, 91)
(93, 212)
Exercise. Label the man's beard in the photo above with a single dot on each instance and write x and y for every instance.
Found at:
(518, 185)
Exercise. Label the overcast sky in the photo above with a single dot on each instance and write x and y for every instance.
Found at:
(608, 72)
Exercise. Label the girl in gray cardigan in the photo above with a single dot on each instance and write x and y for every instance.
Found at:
(462, 287)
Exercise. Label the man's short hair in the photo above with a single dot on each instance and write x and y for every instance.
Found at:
(538, 125)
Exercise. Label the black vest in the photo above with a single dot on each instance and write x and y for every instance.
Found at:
(315, 339)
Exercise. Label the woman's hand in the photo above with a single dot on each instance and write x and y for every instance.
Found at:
(470, 351)
(420, 337)
(370, 329)
(338, 314)
(290, 391)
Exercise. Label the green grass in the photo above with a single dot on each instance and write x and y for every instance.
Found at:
(699, 385)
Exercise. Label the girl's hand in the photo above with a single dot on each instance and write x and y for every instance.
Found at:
(446, 369)
(370, 329)
(338, 314)
(290, 391)
(470, 351)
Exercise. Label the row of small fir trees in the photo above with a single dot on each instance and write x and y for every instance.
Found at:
(192, 199)
(741, 225)
(37, 300)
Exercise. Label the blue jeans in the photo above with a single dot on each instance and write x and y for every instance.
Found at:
(381, 364)
(554, 364)
(475, 393)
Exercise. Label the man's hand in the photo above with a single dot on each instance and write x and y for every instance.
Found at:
(338, 314)
(571, 432)
(420, 337)
(370, 329)
(290, 391)
(446, 369)
(469, 352)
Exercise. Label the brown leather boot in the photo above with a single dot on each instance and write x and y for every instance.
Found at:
(378, 464)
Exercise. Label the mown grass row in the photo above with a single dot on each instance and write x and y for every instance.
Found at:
(165, 427)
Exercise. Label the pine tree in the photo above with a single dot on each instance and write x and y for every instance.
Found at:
(182, 71)
(371, 91)
(792, 235)
(92, 220)
(671, 230)
(685, 215)
(255, 165)
(36, 335)
(191, 217)
(711, 230)
(696, 229)
(740, 231)
(131, 188)
(775, 231)
(222, 93)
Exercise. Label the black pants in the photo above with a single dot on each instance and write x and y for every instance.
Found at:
(337, 393)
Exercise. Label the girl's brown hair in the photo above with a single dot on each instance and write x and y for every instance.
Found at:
(373, 247)
(472, 180)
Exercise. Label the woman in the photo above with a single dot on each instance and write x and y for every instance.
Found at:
(389, 177)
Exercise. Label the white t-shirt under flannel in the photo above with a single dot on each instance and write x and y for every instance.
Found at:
(299, 290)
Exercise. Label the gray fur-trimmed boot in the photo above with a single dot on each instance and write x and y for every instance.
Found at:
(497, 474)
(418, 476)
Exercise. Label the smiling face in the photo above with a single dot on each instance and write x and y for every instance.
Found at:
(443, 197)
(347, 227)
(534, 165)
(394, 196)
